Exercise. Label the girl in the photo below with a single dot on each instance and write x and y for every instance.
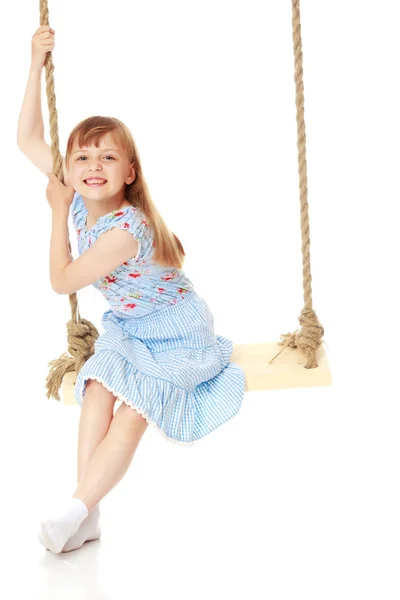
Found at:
(159, 353)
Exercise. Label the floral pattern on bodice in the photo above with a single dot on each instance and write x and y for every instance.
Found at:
(140, 285)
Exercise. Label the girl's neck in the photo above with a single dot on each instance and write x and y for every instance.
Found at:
(99, 208)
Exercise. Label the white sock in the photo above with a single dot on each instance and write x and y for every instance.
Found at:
(88, 530)
(63, 524)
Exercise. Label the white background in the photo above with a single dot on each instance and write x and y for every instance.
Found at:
(296, 497)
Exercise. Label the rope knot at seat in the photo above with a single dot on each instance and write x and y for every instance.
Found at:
(81, 338)
(308, 338)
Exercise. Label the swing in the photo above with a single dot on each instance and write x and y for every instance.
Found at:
(267, 366)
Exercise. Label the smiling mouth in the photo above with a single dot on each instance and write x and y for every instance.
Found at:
(95, 182)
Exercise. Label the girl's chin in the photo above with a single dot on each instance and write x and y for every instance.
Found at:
(94, 187)
(96, 190)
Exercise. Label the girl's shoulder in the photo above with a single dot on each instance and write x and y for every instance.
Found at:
(128, 218)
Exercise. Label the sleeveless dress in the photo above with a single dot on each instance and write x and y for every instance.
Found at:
(159, 352)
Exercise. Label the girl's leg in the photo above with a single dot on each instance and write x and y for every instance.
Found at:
(107, 464)
(112, 456)
(96, 416)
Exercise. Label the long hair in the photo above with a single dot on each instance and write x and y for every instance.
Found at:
(168, 248)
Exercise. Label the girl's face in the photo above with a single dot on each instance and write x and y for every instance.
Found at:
(107, 162)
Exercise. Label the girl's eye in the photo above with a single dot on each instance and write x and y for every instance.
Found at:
(108, 156)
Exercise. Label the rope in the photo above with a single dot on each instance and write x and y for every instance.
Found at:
(309, 336)
(81, 333)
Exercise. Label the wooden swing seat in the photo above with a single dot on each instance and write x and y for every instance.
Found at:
(287, 370)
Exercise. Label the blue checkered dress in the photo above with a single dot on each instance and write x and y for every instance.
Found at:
(167, 364)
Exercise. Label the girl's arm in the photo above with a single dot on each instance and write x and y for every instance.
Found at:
(30, 124)
(60, 256)
(112, 249)
(30, 135)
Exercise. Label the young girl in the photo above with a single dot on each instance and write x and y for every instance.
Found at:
(159, 353)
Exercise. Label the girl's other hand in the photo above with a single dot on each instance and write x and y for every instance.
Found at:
(42, 43)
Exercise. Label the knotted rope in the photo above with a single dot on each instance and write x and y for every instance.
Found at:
(81, 333)
(309, 337)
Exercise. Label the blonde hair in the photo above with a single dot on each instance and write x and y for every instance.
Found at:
(168, 248)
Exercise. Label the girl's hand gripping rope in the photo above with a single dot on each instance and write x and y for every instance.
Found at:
(58, 195)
